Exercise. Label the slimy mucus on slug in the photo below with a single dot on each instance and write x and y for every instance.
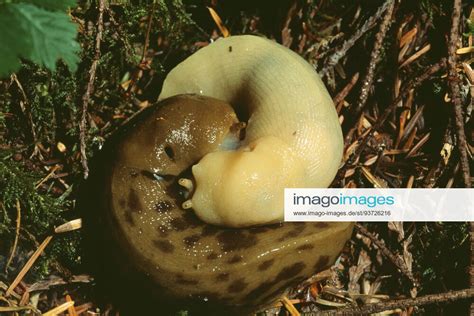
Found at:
(293, 137)
(183, 258)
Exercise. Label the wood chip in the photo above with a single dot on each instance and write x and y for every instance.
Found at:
(61, 147)
(69, 226)
(446, 152)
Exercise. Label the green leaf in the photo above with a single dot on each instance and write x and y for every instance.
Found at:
(53, 5)
(36, 34)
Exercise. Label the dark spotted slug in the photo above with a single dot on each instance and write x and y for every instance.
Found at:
(133, 199)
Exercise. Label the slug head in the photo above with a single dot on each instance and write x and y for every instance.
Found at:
(185, 128)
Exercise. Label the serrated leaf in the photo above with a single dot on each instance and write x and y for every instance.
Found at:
(13, 43)
(36, 34)
(53, 5)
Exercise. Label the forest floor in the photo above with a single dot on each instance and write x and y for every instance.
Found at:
(400, 74)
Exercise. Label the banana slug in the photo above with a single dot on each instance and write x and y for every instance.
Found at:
(135, 219)
(292, 138)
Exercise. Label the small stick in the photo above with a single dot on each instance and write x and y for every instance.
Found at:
(345, 91)
(148, 31)
(447, 297)
(71, 310)
(50, 174)
(416, 55)
(16, 309)
(90, 89)
(459, 118)
(28, 265)
(396, 260)
(410, 86)
(59, 309)
(17, 234)
(456, 94)
(24, 298)
(289, 306)
(26, 109)
(341, 52)
(217, 19)
(374, 59)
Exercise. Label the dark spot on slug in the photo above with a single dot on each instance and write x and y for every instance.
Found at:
(295, 232)
(322, 263)
(164, 245)
(237, 286)
(190, 241)
(230, 49)
(258, 230)
(189, 282)
(305, 247)
(134, 201)
(128, 218)
(163, 206)
(235, 239)
(180, 279)
(209, 230)
(191, 219)
(265, 265)
(294, 133)
(212, 256)
(122, 202)
(222, 277)
(179, 224)
(290, 271)
(169, 152)
(235, 259)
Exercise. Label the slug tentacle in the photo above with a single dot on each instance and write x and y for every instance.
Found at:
(292, 138)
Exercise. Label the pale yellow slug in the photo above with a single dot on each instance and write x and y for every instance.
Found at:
(292, 139)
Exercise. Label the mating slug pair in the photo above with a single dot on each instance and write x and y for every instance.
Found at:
(237, 122)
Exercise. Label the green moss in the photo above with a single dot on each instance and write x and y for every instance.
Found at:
(39, 211)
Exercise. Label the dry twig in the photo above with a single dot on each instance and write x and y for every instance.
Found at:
(341, 52)
(17, 234)
(400, 304)
(456, 94)
(374, 59)
(90, 89)
(396, 260)
(378, 124)
(28, 265)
